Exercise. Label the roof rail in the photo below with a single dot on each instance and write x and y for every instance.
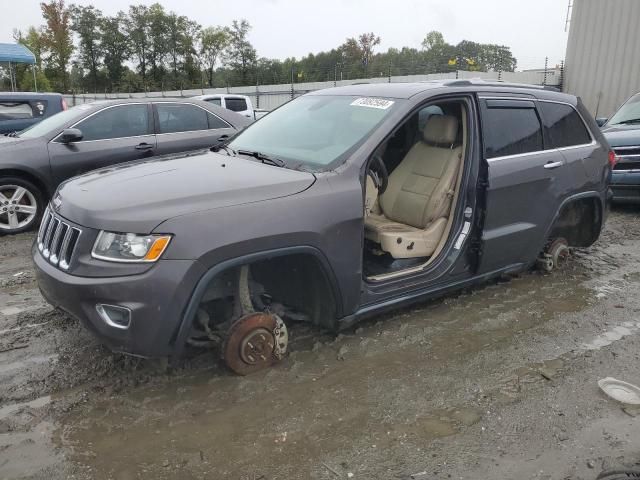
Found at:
(497, 83)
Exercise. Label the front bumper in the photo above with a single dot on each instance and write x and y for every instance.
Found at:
(156, 298)
(625, 186)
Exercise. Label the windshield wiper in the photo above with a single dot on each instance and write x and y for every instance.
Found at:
(264, 158)
(631, 121)
(223, 146)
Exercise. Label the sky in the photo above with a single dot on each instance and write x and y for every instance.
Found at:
(534, 29)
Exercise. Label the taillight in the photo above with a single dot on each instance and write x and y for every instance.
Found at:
(63, 104)
(613, 158)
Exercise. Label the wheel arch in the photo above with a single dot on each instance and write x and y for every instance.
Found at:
(325, 276)
(28, 176)
(579, 220)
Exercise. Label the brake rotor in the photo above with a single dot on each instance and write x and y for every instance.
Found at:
(254, 342)
(559, 251)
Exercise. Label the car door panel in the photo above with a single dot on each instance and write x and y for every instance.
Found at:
(69, 160)
(524, 186)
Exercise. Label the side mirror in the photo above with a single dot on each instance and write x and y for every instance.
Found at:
(601, 121)
(70, 135)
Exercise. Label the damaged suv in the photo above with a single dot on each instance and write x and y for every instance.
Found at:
(338, 205)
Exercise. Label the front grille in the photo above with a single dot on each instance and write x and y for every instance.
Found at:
(624, 164)
(628, 158)
(57, 240)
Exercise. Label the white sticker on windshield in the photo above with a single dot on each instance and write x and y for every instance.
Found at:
(372, 103)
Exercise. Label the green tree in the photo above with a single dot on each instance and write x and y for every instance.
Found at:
(180, 43)
(158, 46)
(115, 46)
(57, 40)
(138, 31)
(34, 42)
(240, 55)
(434, 39)
(360, 52)
(87, 22)
(213, 41)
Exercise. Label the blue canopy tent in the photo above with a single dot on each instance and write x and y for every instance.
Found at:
(13, 53)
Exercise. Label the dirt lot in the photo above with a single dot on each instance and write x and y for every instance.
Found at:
(498, 382)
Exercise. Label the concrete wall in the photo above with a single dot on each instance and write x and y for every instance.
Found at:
(268, 97)
(602, 64)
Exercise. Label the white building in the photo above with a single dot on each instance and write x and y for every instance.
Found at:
(603, 53)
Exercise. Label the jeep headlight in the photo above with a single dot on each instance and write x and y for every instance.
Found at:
(129, 247)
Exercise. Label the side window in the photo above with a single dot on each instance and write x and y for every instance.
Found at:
(215, 101)
(236, 104)
(15, 110)
(510, 129)
(116, 122)
(563, 126)
(216, 122)
(181, 117)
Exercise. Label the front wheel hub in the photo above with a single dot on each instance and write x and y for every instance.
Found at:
(254, 342)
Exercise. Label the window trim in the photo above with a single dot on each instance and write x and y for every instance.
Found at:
(157, 120)
(54, 139)
(593, 142)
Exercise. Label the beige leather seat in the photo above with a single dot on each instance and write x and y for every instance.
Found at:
(414, 209)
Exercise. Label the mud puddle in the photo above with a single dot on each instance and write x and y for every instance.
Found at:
(370, 390)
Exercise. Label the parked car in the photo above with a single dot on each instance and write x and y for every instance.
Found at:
(20, 110)
(622, 131)
(241, 104)
(34, 161)
(340, 204)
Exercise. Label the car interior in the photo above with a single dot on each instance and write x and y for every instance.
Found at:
(411, 189)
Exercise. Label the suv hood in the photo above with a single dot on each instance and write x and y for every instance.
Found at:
(622, 135)
(138, 196)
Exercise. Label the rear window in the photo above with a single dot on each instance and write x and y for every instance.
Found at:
(236, 104)
(563, 126)
(511, 130)
(15, 110)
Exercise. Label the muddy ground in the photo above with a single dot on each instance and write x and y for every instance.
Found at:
(498, 382)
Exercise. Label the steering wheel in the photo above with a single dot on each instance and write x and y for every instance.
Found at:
(383, 173)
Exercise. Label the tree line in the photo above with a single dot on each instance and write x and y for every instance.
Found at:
(147, 48)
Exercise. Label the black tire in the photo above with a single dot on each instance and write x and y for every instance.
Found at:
(34, 195)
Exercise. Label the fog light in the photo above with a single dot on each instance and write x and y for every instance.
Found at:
(114, 316)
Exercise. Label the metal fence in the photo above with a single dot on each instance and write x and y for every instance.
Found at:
(268, 97)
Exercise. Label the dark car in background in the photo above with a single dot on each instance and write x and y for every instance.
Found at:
(20, 110)
(35, 161)
(622, 131)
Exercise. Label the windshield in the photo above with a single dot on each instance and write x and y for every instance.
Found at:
(314, 130)
(54, 123)
(628, 113)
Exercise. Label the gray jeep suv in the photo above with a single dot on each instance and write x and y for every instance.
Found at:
(338, 205)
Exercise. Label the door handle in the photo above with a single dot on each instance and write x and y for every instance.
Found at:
(144, 146)
(550, 165)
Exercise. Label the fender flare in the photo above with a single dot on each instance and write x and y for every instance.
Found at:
(182, 333)
(578, 196)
